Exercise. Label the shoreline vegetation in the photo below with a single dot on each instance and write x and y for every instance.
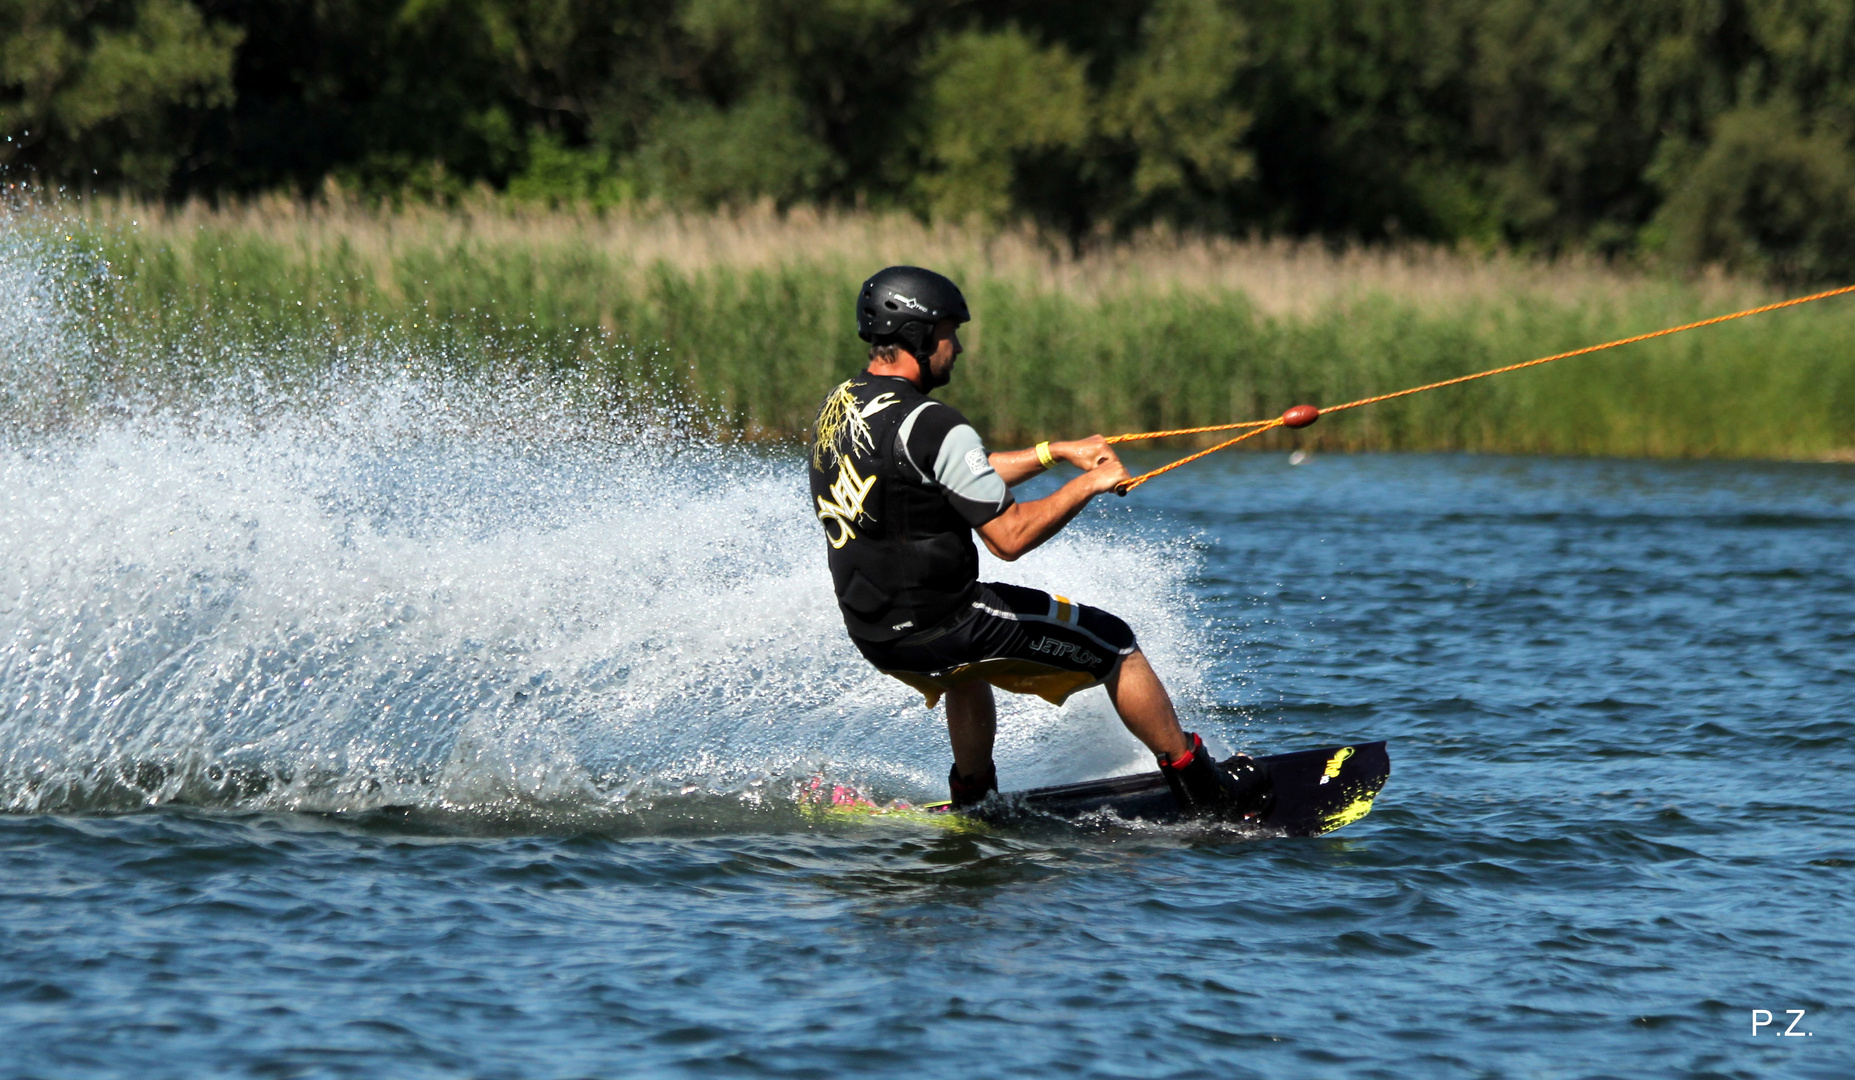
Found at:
(744, 316)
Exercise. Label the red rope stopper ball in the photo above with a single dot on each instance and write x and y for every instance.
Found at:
(1300, 416)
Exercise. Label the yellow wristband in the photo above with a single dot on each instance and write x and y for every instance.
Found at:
(1044, 457)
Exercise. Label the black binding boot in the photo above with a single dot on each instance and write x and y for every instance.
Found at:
(971, 790)
(1235, 790)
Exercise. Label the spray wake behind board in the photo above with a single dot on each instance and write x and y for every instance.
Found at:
(1314, 792)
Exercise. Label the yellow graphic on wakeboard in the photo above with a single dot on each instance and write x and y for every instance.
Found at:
(1332, 771)
(1346, 815)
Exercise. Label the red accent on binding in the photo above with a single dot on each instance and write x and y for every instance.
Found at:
(1190, 752)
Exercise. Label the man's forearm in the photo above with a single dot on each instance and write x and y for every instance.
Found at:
(1025, 525)
(1015, 466)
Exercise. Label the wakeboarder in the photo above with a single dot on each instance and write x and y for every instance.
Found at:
(901, 482)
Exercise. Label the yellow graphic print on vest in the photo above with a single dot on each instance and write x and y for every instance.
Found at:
(848, 494)
(843, 426)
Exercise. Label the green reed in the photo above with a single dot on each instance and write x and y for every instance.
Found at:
(752, 342)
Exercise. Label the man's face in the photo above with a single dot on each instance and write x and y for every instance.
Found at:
(947, 350)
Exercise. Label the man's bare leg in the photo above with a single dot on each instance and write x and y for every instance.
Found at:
(972, 725)
(1141, 700)
(1137, 694)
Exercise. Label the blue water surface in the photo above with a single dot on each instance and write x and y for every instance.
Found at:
(1620, 700)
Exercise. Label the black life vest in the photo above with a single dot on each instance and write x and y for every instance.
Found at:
(902, 558)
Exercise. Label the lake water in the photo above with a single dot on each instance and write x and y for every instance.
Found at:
(416, 733)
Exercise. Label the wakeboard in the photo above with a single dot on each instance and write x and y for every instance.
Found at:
(1314, 792)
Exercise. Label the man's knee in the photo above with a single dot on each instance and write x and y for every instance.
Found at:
(1139, 661)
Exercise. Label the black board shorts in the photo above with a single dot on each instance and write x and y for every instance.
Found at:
(1022, 640)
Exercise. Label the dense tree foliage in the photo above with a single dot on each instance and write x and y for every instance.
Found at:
(1697, 131)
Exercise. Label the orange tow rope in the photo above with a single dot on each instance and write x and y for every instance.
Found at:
(1302, 415)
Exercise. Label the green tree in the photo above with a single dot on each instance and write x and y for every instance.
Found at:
(994, 100)
(1176, 107)
(808, 93)
(104, 92)
(1768, 196)
(1360, 119)
(764, 146)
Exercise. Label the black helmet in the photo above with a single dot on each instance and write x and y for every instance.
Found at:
(894, 298)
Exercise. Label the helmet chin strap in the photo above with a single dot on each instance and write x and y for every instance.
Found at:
(929, 380)
(918, 338)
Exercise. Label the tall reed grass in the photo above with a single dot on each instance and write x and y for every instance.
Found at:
(748, 317)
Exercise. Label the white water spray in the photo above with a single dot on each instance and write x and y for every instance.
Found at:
(454, 594)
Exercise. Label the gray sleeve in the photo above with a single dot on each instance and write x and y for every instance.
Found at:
(964, 473)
